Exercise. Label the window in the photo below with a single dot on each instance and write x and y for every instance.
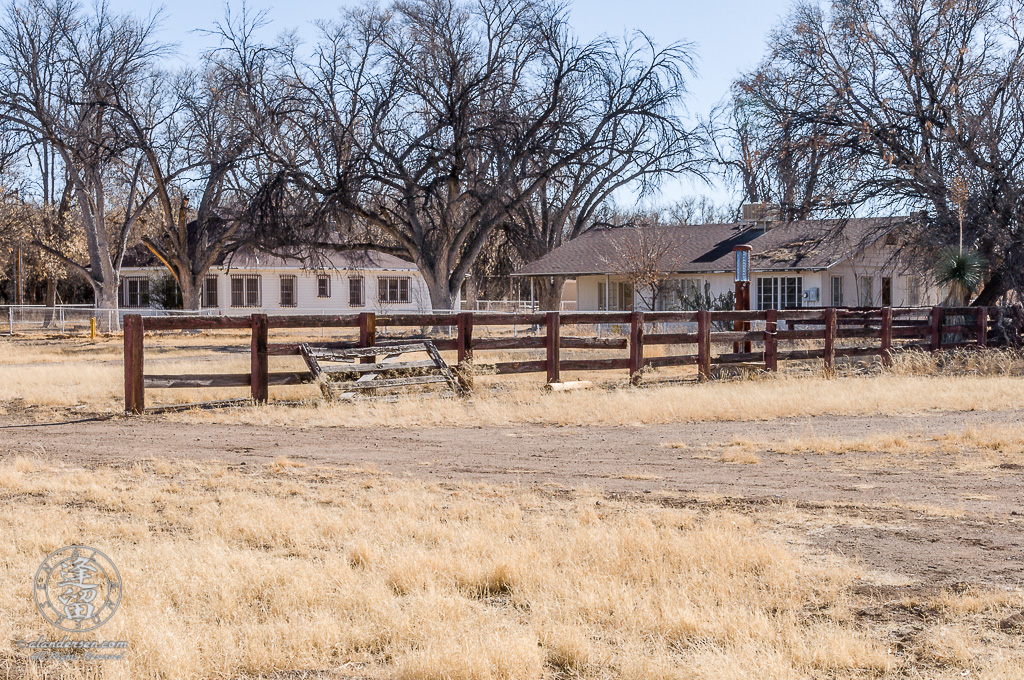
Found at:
(134, 292)
(780, 292)
(393, 289)
(675, 294)
(867, 291)
(355, 291)
(837, 291)
(323, 286)
(210, 291)
(288, 297)
(886, 291)
(913, 291)
(617, 298)
(245, 290)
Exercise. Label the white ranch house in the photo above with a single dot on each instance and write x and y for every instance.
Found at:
(811, 263)
(248, 282)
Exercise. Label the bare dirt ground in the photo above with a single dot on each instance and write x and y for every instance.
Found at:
(940, 520)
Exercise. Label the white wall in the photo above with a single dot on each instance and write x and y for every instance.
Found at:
(872, 263)
(306, 291)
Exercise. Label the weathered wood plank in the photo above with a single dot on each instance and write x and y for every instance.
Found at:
(195, 323)
(315, 321)
(738, 358)
(670, 339)
(771, 340)
(703, 345)
(134, 384)
(206, 380)
(594, 364)
(379, 367)
(674, 360)
(554, 328)
(260, 359)
(408, 320)
(505, 319)
(360, 352)
(594, 318)
(636, 346)
(670, 317)
(199, 380)
(508, 367)
(803, 334)
(523, 342)
(828, 354)
(734, 336)
(392, 382)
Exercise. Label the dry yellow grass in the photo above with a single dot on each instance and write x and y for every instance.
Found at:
(976, 448)
(242, 572)
(80, 373)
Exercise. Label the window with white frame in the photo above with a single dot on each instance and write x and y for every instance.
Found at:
(837, 291)
(355, 291)
(867, 291)
(393, 289)
(245, 290)
(134, 292)
(323, 286)
(780, 292)
(288, 293)
(618, 297)
(210, 291)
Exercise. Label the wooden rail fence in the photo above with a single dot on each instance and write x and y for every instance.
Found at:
(929, 329)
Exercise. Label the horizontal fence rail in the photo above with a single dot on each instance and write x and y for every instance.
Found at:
(929, 329)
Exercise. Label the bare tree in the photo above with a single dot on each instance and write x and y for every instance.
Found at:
(62, 74)
(195, 142)
(640, 255)
(621, 129)
(416, 129)
(774, 157)
(921, 93)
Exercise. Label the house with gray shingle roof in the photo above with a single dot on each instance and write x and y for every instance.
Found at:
(809, 263)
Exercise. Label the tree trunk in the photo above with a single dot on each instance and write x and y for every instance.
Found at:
(472, 292)
(439, 288)
(191, 292)
(991, 291)
(549, 295)
(107, 319)
(51, 300)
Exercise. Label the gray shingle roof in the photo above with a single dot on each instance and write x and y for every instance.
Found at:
(705, 248)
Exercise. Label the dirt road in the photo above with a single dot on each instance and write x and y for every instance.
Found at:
(933, 519)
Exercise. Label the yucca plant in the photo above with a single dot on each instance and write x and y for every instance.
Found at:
(963, 271)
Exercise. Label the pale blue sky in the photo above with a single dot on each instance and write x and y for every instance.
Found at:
(730, 35)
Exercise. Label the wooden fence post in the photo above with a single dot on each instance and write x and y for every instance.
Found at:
(259, 378)
(936, 315)
(464, 345)
(831, 324)
(134, 382)
(771, 343)
(886, 336)
(367, 334)
(704, 345)
(636, 346)
(982, 327)
(552, 346)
